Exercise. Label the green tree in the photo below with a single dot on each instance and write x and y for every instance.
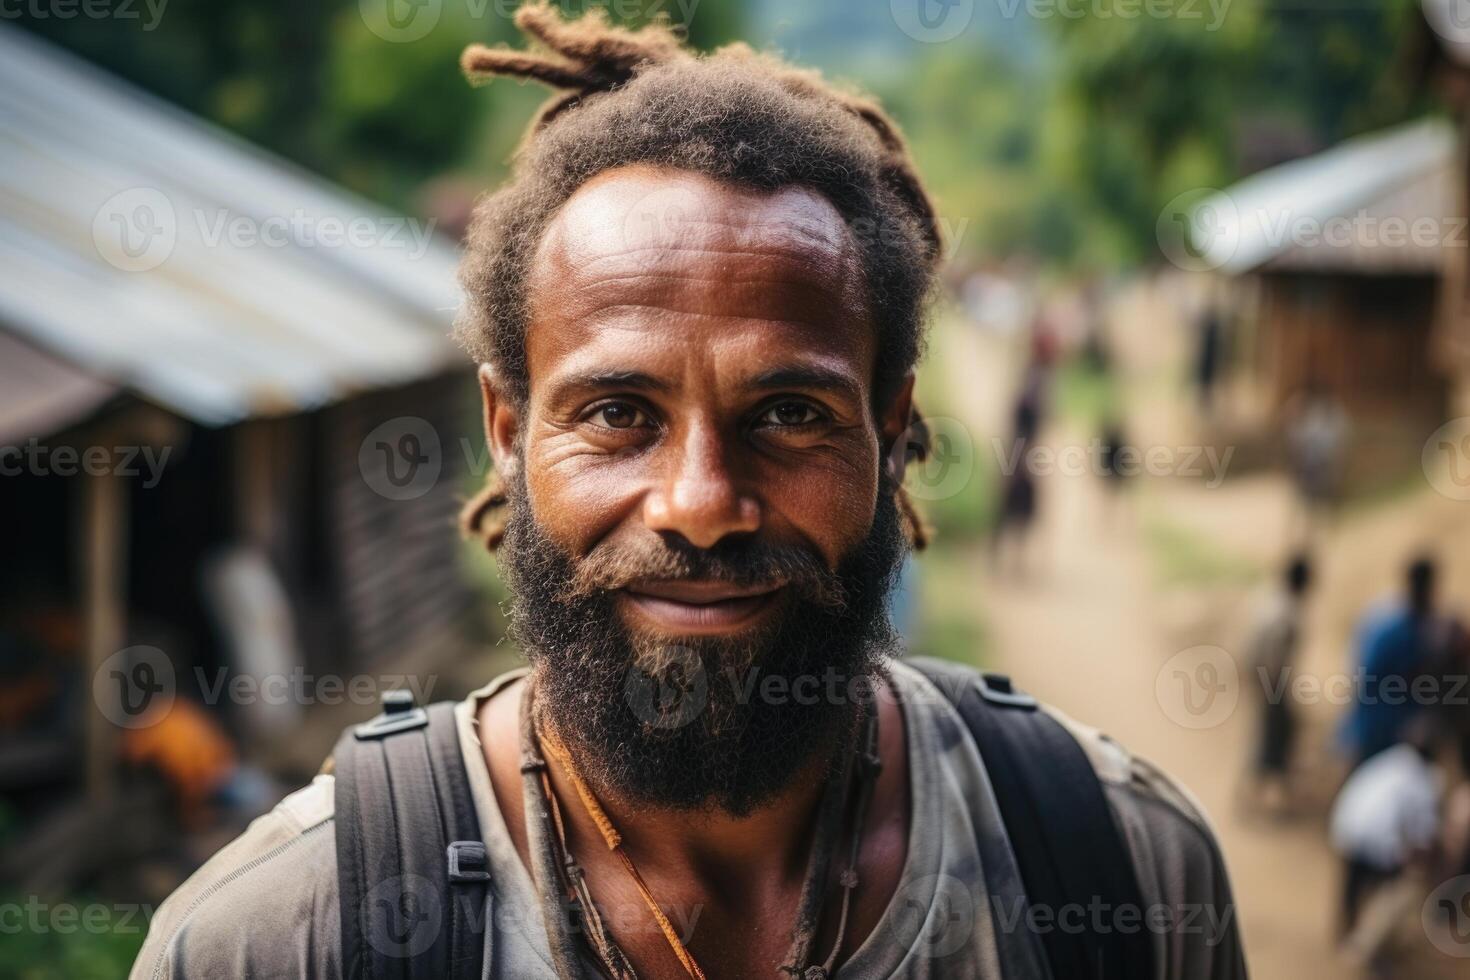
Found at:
(1152, 107)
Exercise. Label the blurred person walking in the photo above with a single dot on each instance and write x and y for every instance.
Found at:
(1209, 351)
(1317, 438)
(1274, 642)
(1010, 536)
(1449, 666)
(1018, 499)
(1385, 826)
(1397, 645)
(1033, 399)
(1115, 471)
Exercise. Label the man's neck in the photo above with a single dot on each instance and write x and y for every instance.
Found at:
(731, 870)
(768, 843)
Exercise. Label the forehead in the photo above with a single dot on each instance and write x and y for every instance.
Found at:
(677, 270)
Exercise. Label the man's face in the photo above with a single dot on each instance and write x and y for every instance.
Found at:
(699, 456)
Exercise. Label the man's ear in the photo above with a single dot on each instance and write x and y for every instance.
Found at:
(895, 417)
(502, 421)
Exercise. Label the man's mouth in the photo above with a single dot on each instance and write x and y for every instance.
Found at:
(698, 608)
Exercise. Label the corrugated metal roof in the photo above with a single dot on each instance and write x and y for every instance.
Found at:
(40, 395)
(159, 252)
(1383, 203)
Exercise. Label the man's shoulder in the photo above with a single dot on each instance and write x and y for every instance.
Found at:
(1189, 906)
(264, 906)
(1161, 819)
(1180, 869)
(1133, 785)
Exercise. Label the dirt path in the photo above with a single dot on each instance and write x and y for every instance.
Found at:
(1092, 631)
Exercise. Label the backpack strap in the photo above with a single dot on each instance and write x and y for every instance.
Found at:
(1068, 847)
(412, 873)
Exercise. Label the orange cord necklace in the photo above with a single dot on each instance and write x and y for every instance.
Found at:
(614, 842)
(861, 769)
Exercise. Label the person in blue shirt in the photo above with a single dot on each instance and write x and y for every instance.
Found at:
(1395, 648)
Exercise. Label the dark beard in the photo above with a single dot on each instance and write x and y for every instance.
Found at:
(702, 723)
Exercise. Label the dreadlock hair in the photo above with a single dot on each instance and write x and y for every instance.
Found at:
(750, 119)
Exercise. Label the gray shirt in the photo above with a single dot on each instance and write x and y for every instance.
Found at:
(266, 905)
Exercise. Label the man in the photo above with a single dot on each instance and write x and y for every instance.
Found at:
(1385, 825)
(1208, 356)
(1318, 433)
(1010, 536)
(1274, 641)
(698, 308)
(1398, 644)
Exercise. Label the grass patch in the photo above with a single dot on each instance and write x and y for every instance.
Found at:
(1085, 395)
(1393, 487)
(954, 637)
(1184, 557)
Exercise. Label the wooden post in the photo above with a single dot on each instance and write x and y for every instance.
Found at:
(104, 576)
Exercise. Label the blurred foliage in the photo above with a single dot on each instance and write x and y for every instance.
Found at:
(1155, 107)
(1072, 158)
(971, 118)
(967, 512)
(970, 513)
(71, 950)
(951, 626)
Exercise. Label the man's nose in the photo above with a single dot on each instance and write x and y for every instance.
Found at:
(701, 498)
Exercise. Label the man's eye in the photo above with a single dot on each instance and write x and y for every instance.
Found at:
(620, 415)
(789, 413)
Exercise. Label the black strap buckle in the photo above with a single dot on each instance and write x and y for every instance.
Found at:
(997, 689)
(468, 861)
(399, 715)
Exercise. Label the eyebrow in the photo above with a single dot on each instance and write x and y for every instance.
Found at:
(819, 378)
(808, 377)
(631, 380)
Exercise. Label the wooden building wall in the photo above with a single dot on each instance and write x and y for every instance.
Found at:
(1366, 338)
(1451, 339)
(401, 589)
